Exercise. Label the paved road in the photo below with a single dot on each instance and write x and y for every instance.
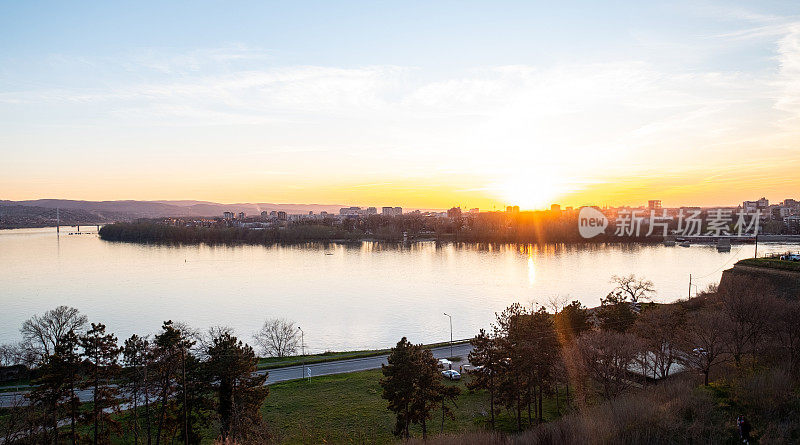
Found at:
(9, 399)
(356, 364)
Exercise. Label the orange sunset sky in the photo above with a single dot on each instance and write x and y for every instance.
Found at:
(413, 104)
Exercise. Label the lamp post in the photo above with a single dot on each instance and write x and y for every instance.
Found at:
(451, 334)
(302, 342)
(303, 349)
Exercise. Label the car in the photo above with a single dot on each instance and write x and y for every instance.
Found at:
(445, 364)
(451, 374)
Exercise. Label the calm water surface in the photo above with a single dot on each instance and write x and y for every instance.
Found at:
(361, 295)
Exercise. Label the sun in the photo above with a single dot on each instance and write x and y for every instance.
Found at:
(534, 192)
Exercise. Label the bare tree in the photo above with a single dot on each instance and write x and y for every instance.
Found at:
(205, 339)
(660, 329)
(786, 332)
(44, 332)
(750, 310)
(12, 354)
(608, 357)
(703, 341)
(277, 337)
(632, 289)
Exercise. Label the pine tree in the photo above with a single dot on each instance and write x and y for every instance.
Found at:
(172, 362)
(137, 358)
(241, 393)
(101, 352)
(398, 384)
(485, 356)
(413, 386)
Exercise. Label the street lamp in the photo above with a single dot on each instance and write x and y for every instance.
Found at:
(451, 334)
(302, 342)
(303, 349)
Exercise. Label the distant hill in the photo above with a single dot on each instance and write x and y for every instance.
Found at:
(155, 209)
(17, 216)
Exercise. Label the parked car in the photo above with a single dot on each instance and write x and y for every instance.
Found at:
(445, 364)
(451, 374)
(791, 257)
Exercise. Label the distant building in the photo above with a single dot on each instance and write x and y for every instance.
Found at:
(474, 211)
(752, 206)
(654, 204)
(372, 211)
(264, 214)
(350, 211)
(273, 214)
(792, 224)
(454, 212)
(512, 209)
(227, 215)
(555, 208)
(282, 216)
(391, 211)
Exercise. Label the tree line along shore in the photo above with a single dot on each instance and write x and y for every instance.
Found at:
(490, 228)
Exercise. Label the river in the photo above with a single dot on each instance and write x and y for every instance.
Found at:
(354, 296)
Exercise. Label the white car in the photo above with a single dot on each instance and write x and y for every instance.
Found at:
(446, 364)
(451, 374)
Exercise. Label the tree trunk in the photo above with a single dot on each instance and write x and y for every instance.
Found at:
(163, 410)
(72, 409)
(558, 406)
(94, 398)
(541, 416)
(491, 399)
(530, 421)
(147, 404)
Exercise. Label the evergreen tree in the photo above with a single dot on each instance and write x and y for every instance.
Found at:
(171, 358)
(101, 352)
(413, 386)
(571, 321)
(137, 358)
(429, 391)
(241, 393)
(398, 384)
(485, 356)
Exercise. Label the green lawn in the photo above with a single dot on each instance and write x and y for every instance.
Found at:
(771, 263)
(348, 408)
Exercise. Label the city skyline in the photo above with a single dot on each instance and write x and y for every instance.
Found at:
(419, 106)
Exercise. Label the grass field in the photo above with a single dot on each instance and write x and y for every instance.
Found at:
(771, 263)
(348, 408)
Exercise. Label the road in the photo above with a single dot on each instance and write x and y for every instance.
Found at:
(15, 398)
(356, 364)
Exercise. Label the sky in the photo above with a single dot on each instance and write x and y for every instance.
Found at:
(417, 104)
